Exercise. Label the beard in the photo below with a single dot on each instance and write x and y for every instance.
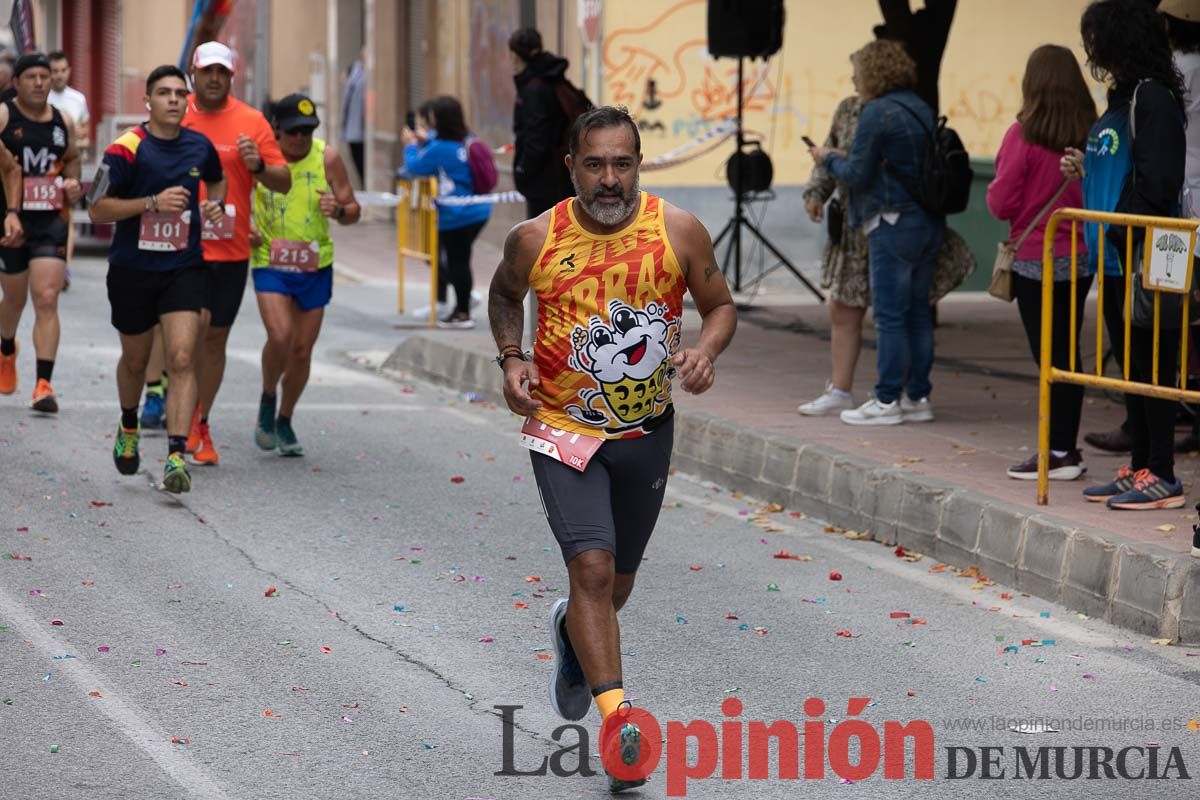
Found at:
(608, 214)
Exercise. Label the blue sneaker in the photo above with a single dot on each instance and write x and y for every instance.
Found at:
(1149, 493)
(570, 696)
(1105, 491)
(154, 411)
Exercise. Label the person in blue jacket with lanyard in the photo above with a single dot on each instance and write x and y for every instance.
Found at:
(444, 153)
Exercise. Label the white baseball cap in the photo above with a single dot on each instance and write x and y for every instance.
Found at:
(211, 53)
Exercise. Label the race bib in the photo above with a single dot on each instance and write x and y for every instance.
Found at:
(573, 449)
(42, 193)
(295, 256)
(221, 230)
(164, 231)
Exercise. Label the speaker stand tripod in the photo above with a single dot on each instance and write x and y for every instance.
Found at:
(733, 228)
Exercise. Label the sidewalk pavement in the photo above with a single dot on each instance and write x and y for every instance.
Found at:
(937, 488)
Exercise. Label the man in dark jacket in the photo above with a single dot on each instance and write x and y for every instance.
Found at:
(539, 171)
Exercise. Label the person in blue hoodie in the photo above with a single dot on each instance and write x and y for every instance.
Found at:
(443, 153)
(1134, 164)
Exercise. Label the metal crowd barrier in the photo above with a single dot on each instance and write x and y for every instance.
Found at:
(1164, 236)
(417, 234)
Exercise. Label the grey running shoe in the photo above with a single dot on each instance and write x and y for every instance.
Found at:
(570, 696)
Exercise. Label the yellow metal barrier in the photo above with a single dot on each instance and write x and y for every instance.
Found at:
(1154, 227)
(417, 234)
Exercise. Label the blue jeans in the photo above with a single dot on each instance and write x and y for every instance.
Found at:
(902, 258)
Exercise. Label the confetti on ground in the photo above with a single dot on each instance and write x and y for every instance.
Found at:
(1161, 641)
(271, 592)
(835, 576)
(94, 693)
(56, 622)
(1165, 528)
(326, 650)
(695, 567)
(848, 635)
(900, 615)
(682, 620)
(784, 554)
(457, 479)
(544, 656)
(269, 713)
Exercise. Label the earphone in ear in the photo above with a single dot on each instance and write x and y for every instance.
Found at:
(147, 106)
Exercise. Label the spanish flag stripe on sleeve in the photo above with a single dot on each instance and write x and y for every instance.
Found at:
(126, 144)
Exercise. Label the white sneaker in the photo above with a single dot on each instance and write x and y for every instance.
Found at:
(916, 410)
(874, 412)
(827, 404)
(476, 298)
(443, 310)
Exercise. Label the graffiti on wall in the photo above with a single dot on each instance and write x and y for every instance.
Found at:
(656, 62)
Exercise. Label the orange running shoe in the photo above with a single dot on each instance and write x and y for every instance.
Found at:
(43, 398)
(206, 454)
(8, 373)
(193, 442)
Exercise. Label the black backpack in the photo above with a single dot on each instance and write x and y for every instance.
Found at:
(944, 183)
(573, 102)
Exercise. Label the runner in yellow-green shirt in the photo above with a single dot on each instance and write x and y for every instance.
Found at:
(292, 263)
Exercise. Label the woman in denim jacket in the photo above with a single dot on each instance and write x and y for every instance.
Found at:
(903, 239)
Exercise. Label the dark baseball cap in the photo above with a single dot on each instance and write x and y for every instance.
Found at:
(29, 61)
(295, 111)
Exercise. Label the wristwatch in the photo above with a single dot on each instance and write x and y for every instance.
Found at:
(339, 212)
(262, 167)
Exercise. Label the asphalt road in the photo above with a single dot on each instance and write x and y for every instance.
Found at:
(410, 604)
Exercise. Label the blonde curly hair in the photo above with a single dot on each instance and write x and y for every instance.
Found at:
(884, 66)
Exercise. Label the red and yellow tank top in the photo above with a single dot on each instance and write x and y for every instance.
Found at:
(609, 314)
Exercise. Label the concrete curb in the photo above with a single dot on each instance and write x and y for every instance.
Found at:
(1135, 586)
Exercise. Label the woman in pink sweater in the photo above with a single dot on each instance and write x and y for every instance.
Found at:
(1057, 110)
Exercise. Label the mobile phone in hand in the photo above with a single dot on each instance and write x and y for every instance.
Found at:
(410, 119)
(808, 141)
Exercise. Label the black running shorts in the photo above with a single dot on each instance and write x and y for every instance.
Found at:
(226, 287)
(613, 505)
(45, 237)
(140, 297)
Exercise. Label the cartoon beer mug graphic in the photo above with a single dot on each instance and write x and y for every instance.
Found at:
(630, 360)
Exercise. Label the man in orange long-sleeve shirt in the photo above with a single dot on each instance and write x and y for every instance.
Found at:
(248, 150)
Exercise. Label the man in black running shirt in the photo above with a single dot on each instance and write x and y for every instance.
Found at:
(42, 139)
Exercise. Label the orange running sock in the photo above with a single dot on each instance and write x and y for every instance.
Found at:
(608, 701)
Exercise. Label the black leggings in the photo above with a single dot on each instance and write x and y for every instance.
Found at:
(455, 267)
(1114, 326)
(1066, 399)
(1151, 421)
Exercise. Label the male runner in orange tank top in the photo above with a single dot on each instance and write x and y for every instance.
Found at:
(610, 268)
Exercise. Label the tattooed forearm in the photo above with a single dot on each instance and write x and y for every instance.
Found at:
(709, 271)
(508, 321)
(506, 298)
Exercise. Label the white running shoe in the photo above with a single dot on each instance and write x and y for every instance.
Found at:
(874, 412)
(443, 310)
(827, 404)
(476, 298)
(916, 410)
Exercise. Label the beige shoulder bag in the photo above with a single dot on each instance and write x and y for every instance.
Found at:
(1006, 252)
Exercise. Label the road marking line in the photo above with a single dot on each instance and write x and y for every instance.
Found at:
(173, 760)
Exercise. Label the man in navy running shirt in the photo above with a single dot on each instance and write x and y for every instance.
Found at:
(149, 184)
